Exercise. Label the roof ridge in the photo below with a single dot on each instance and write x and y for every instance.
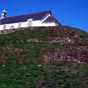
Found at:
(29, 13)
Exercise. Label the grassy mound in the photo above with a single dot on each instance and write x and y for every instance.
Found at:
(44, 57)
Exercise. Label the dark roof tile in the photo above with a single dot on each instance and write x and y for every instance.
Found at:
(23, 18)
(51, 19)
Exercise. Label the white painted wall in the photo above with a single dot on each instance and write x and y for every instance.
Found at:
(8, 26)
(15, 25)
(36, 23)
(49, 24)
(39, 23)
(1, 27)
(23, 24)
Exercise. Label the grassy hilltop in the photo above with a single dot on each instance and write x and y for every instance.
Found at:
(44, 57)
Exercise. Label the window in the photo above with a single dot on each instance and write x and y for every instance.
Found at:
(12, 27)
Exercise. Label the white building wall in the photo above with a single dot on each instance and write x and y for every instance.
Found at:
(25, 24)
(8, 26)
(15, 25)
(36, 23)
(1, 27)
(39, 23)
(49, 24)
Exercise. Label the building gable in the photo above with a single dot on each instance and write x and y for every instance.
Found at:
(51, 19)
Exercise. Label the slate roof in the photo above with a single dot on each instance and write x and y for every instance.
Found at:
(51, 19)
(23, 18)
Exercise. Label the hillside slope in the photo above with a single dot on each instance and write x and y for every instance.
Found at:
(44, 57)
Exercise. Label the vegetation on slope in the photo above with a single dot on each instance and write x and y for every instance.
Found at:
(43, 57)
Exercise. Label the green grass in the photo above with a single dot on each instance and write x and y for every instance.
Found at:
(21, 67)
(55, 75)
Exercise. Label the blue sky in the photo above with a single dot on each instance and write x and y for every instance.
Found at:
(69, 12)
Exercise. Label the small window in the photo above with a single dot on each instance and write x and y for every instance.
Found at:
(12, 27)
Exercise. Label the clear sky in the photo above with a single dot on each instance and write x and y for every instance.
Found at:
(68, 12)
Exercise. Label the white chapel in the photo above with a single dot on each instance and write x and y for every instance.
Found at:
(38, 19)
